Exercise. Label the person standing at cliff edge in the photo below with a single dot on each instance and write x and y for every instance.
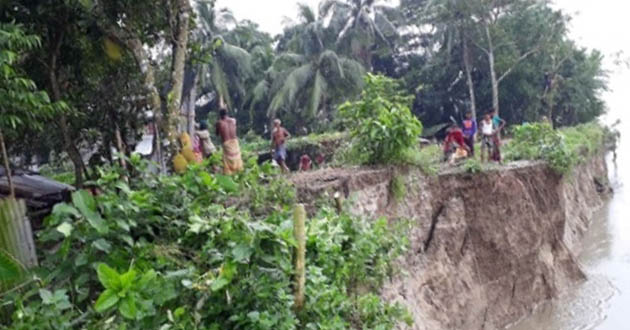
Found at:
(470, 131)
(455, 147)
(498, 124)
(487, 137)
(279, 136)
(226, 129)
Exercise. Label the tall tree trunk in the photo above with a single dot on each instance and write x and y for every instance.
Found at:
(550, 97)
(142, 59)
(177, 72)
(469, 80)
(148, 72)
(7, 168)
(71, 148)
(493, 73)
(221, 102)
(122, 153)
(192, 98)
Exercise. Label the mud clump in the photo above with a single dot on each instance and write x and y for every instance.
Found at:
(485, 248)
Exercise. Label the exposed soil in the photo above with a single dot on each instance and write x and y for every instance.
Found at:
(485, 248)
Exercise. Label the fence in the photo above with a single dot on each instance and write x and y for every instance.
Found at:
(16, 235)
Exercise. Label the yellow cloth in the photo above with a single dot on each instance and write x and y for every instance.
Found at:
(459, 153)
(232, 162)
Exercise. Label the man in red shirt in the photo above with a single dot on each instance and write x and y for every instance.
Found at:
(455, 142)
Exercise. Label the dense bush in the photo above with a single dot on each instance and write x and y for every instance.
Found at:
(201, 251)
(381, 125)
(561, 149)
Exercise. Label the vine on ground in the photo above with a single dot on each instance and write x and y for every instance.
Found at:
(202, 251)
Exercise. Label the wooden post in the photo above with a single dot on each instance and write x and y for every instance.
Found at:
(299, 231)
(122, 152)
(7, 168)
(16, 236)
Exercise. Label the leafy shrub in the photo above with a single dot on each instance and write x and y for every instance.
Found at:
(201, 250)
(426, 159)
(585, 139)
(562, 149)
(539, 141)
(381, 124)
(398, 188)
(472, 165)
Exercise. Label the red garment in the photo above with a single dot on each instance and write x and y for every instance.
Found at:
(454, 136)
(305, 163)
(196, 144)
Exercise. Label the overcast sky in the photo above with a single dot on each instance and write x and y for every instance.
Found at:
(597, 24)
(269, 14)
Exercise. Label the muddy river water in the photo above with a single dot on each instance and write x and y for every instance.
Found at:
(602, 302)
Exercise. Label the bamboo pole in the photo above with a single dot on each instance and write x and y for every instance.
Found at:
(299, 231)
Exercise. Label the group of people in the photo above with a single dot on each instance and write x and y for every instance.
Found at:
(232, 160)
(460, 143)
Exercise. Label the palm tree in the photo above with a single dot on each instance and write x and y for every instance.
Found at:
(226, 72)
(308, 76)
(360, 26)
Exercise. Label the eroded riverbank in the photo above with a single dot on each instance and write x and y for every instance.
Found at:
(485, 248)
(601, 301)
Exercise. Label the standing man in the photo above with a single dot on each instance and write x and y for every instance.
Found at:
(487, 137)
(498, 124)
(279, 136)
(226, 129)
(470, 131)
(205, 143)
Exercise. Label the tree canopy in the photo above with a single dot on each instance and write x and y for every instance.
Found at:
(112, 61)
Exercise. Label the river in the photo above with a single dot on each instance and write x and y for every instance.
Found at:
(602, 302)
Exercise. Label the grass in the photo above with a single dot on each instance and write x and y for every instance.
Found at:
(562, 149)
(398, 189)
(582, 140)
(257, 144)
(586, 139)
(427, 158)
(59, 174)
(472, 165)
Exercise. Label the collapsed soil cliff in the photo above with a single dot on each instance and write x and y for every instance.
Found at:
(485, 248)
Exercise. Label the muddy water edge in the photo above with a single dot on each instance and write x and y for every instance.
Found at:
(601, 301)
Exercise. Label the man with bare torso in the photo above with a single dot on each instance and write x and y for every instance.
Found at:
(279, 136)
(226, 129)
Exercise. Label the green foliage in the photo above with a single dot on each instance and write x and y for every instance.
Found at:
(522, 26)
(586, 139)
(129, 293)
(472, 165)
(203, 251)
(539, 141)
(562, 149)
(397, 188)
(21, 104)
(426, 158)
(10, 270)
(381, 124)
(257, 144)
